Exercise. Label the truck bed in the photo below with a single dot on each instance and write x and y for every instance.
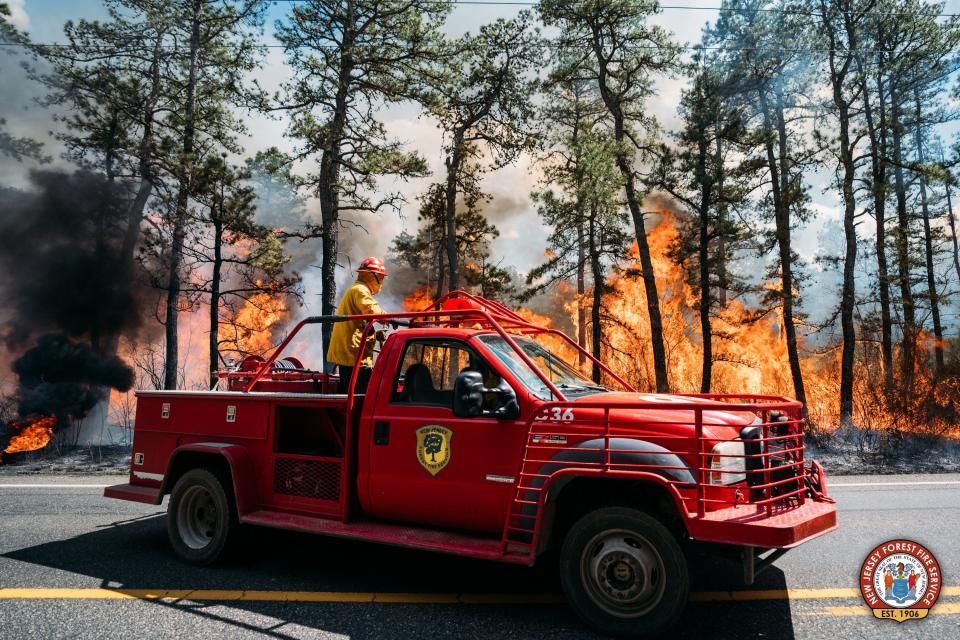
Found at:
(299, 441)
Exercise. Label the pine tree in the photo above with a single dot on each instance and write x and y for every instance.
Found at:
(482, 96)
(220, 50)
(840, 25)
(612, 44)
(698, 174)
(578, 202)
(243, 258)
(426, 252)
(918, 51)
(115, 79)
(350, 57)
(764, 61)
(14, 147)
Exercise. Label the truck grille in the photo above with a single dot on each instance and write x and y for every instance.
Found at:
(304, 478)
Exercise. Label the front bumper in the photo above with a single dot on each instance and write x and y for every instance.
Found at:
(786, 525)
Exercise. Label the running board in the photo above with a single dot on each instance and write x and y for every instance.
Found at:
(399, 535)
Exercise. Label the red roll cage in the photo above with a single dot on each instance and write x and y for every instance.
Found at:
(465, 307)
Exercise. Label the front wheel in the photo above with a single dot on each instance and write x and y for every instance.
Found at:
(200, 519)
(624, 573)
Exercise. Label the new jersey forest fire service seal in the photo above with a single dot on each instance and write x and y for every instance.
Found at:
(900, 580)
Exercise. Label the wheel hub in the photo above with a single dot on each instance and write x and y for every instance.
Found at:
(623, 573)
(197, 518)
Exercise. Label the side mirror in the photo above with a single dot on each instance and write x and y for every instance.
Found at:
(468, 392)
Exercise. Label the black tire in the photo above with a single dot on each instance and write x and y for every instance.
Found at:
(623, 573)
(201, 519)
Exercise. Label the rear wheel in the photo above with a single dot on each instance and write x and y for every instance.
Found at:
(200, 518)
(624, 573)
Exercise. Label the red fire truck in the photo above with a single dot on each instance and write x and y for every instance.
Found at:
(473, 438)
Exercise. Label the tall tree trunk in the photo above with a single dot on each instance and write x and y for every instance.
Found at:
(706, 332)
(454, 163)
(777, 162)
(581, 290)
(110, 153)
(180, 214)
(847, 298)
(838, 75)
(215, 299)
(878, 189)
(928, 247)
(624, 164)
(581, 239)
(596, 270)
(441, 264)
(953, 222)
(329, 244)
(649, 279)
(328, 185)
(134, 218)
(902, 238)
(721, 256)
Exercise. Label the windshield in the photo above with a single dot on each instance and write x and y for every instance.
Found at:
(566, 378)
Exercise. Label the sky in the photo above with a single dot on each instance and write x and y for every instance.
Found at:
(523, 237)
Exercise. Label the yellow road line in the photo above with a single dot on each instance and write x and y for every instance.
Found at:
(772, 594)
(788, 594)
(14, 593)
(941, 608)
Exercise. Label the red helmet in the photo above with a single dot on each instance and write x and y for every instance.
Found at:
(373, 265)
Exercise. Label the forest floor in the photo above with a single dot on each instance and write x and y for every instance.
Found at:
(112, 459)
(842, 452)
(855, 451)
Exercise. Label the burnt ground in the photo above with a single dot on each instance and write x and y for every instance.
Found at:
(842, 453)
(110, 459)
(867, 451)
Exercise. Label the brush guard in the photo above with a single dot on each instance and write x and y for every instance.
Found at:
(779, 502)
(757, 559)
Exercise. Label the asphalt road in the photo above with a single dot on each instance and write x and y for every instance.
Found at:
(63, 547)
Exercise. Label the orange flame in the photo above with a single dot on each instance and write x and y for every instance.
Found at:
(251, 329)
(556, 344)
(31, 434)
(418, 300)
(749, 355)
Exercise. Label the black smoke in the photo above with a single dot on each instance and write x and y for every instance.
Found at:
(61, 267)
(66, 378)
(69, 291)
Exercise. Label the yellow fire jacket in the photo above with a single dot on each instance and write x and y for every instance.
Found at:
(345, 341)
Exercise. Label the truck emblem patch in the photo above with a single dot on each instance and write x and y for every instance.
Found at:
(433, 447)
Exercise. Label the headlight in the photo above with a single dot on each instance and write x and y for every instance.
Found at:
(727, 465)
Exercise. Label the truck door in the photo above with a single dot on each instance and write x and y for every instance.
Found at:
(425, 464)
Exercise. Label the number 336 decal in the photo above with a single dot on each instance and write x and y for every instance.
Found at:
(556, 414)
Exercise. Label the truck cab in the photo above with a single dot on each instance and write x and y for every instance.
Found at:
(473, 438)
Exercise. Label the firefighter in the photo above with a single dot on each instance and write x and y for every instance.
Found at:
(345, 341)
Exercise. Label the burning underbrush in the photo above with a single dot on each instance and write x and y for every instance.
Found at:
(30, 434)
(750, 356)
(252, 329)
